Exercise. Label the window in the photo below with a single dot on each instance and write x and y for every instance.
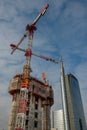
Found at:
(80, 123)
(36, 106)
(26, 122)
(35, 124)
(36, 99)
(36, 115)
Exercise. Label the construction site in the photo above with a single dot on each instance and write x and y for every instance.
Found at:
(32, 99)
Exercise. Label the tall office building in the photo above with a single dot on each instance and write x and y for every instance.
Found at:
(76, 117)
(73, 112)
(58, 121)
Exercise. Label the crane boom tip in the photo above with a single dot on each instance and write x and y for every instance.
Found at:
(47, 5)
(44, 9)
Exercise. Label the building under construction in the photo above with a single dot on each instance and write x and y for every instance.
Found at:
(31, 98)
(31, 103)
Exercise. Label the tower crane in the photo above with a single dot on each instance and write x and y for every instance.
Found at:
(29, 33)
(25, 106)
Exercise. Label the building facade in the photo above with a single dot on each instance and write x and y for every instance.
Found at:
(58, 121)
(31, 102)
(74, 103)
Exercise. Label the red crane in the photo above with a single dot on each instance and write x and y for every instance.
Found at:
(23, 115)
(30, 32)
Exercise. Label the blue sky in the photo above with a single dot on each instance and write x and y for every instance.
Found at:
(61, 31)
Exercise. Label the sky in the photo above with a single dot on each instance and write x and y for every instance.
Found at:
(62, 31)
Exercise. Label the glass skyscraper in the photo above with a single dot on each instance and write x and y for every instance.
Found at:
(74, 103)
